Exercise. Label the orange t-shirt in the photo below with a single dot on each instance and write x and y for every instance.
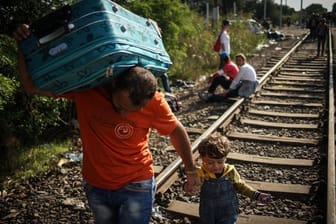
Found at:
(115, 148)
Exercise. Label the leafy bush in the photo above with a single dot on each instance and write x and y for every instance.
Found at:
(185, 35)
(187, 39)
(243, 40)
(23, 119)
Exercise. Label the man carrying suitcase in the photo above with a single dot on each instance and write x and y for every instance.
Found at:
(115, 122)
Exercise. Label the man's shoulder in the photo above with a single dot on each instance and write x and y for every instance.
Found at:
(156, 100)
(158, 95)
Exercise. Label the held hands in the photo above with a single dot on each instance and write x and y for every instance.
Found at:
(192, 185)
(264, 198)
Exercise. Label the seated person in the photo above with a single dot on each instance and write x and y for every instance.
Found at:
(223, 77)
(243, 85)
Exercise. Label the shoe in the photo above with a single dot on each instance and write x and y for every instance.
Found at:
(204, 95)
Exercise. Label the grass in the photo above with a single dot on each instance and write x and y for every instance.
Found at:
(23, 163)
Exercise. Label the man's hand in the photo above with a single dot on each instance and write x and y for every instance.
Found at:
(22, 32)
(193, 184)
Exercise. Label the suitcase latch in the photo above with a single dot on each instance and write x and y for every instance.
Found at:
(108, 72)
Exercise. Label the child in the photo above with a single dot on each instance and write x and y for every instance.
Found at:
(221, 183)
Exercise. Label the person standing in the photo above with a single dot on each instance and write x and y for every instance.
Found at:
(288, 21)
(220, 183)
(312, 24)
(322, 31)
(115, 120)
(224, 41)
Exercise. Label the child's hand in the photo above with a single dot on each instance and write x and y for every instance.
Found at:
(193, 184)
(265, 198)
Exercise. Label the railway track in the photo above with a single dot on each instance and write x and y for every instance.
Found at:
(280, 140)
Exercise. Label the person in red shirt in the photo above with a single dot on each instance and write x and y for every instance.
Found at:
(223, 77)
(115, 122)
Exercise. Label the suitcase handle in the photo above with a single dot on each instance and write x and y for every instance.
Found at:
(56, 33)
(47, 27)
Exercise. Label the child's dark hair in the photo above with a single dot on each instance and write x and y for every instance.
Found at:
(215, 146)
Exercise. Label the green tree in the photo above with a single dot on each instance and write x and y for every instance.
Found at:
(14, 12)
(185, 35)
(315, 9)
(187, 39)
(23, 119)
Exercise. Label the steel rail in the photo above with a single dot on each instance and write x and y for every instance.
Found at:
(282, 61)
(169, 170)
(331, 141)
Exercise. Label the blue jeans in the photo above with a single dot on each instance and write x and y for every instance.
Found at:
(218, 202)
(131, 204)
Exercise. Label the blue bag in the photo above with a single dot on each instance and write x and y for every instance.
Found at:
(89, 43)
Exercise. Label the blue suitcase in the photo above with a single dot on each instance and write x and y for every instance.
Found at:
(89, 43)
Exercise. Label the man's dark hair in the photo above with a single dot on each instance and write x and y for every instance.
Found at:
(140, 83)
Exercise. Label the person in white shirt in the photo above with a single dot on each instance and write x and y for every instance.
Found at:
(225, 41)
(245, 83)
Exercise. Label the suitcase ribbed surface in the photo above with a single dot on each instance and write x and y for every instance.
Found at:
(89, 43)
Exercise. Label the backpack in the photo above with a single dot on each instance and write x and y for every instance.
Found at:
(173, 102)
(217, 44)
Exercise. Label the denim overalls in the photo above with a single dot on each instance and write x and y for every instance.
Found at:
(219, 202)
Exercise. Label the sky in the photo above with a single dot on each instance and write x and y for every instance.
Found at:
(296, 4)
